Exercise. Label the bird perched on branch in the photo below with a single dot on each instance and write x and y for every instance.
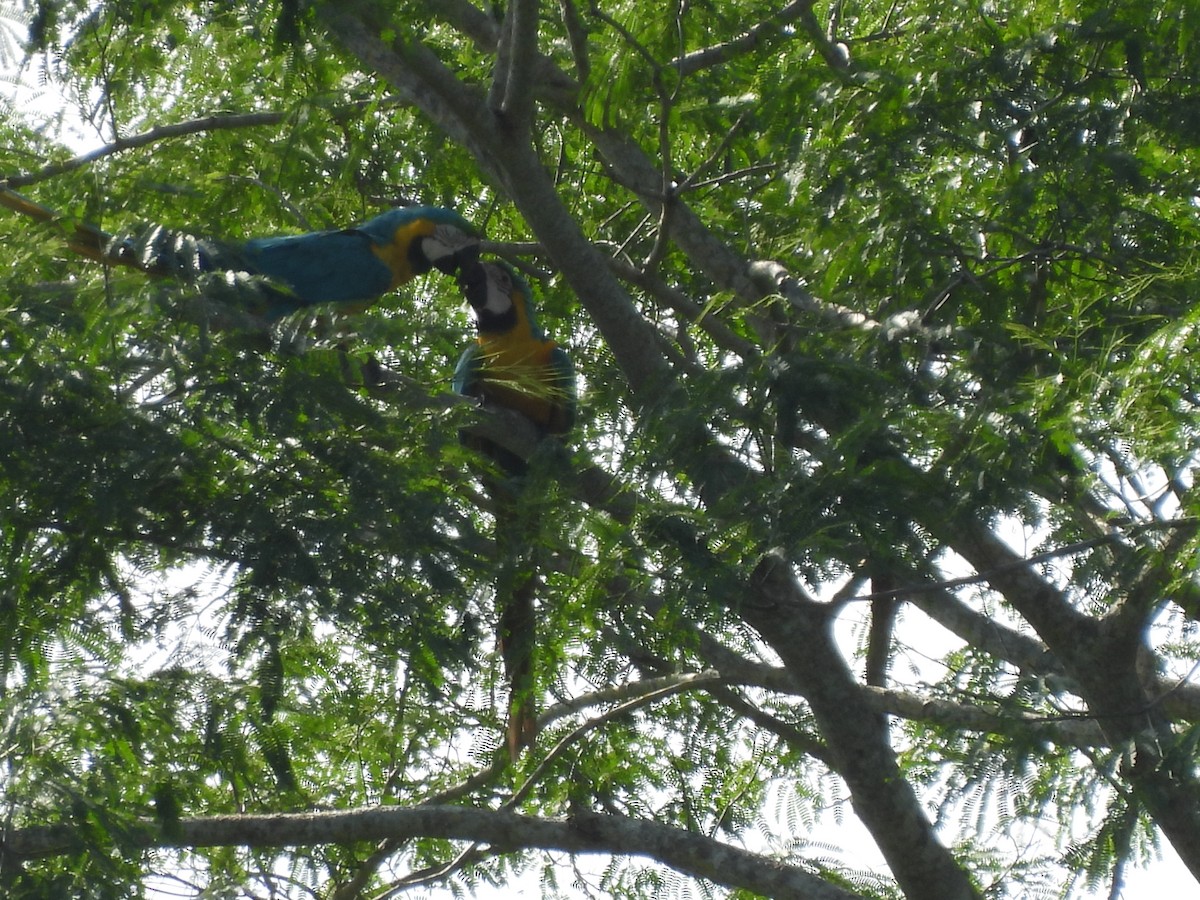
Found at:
(349, 268)
(513, 364)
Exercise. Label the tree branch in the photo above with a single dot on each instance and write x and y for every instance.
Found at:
(515, 62)
(583, 832)
(418, 75)
(835, 55)
(634, 169)
(751, 39)
(1070, 731)
(217, 122)
(1057, 622)
(1103, 658)
(641, 691)
(798, 629)
(772, 277)
(577, 37)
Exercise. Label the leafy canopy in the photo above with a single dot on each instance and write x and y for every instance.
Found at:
(882, 489)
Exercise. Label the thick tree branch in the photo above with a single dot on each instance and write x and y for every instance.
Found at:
(856, 735)
(798, 629)
(674, 299)
(982, 631)
(1103, 657)
(416, 73)
(635, 170)
(632, 167)
(583, 832)
(835, 55)
(1063, 628)
(577, 37)
(773, 277)
(419, 76)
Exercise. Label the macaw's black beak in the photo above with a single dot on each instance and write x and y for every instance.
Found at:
(460, 259)
(428, 252)
(473, 282)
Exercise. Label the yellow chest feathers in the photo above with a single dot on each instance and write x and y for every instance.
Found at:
(514, 350)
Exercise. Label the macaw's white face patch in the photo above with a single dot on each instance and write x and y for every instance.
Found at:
(445, 243)
(497, 297)
(498, 300)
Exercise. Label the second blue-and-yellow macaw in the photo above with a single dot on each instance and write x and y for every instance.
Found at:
(514, 364)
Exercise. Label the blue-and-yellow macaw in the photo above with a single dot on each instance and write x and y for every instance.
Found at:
(348, 268)
(512, 363)
(515, 365)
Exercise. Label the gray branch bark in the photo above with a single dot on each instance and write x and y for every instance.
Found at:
(582, 832)
(799, 630)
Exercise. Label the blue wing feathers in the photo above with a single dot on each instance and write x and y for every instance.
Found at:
(322, 267)
(466, 373)
(338, 266)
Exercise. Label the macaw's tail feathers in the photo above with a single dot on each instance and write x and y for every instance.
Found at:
(518, 635)
(175, 254)
(82, 239)
(517, 584)
(26, 207)
(154, 249)
(522, 728)
(233, 294)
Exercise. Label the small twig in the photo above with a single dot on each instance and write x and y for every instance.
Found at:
(281, 198)
(690, 180)
(215, 122)
(430, 874)
(634, 690)
(664, 687)
(735, 175)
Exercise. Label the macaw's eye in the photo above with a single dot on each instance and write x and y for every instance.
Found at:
(500, 280)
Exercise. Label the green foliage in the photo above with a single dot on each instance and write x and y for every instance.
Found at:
(242, 573)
